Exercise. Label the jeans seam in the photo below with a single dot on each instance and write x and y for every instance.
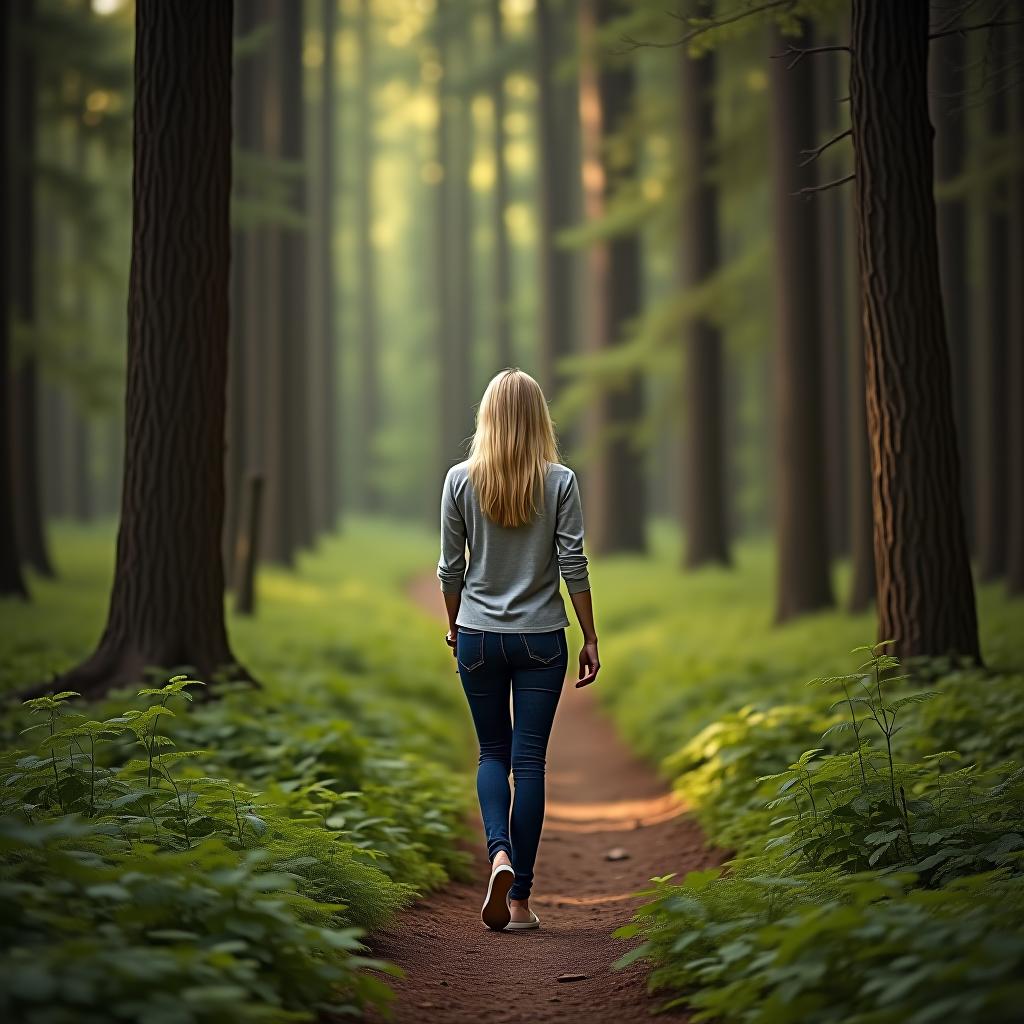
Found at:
(501, 641)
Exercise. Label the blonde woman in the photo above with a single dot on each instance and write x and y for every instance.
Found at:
(518, 510)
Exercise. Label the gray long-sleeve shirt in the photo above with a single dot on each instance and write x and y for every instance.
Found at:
(511, 584)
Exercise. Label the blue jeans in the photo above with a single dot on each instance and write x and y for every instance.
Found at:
(532, 667)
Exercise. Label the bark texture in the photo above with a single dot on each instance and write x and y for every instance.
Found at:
(801, 522)
(166, 607)
(1015, 468)
(705, 520)
(27, 450)
(947, 58)
(991, 348)
(12, 583)
(925, 591)
(862, 528)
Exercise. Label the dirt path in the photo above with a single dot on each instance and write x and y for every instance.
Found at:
(599, 797)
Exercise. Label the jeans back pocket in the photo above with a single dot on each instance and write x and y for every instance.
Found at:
(469, 647)
(543, 647)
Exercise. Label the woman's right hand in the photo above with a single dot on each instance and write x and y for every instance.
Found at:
(590, 664)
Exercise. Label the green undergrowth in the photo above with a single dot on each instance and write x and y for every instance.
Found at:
(875, 812)
(166, 860)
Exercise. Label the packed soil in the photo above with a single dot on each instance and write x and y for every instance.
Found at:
(601, 801)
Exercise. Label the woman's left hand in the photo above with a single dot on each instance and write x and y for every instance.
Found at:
(450, 639)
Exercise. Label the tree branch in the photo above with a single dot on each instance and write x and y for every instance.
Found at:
(964, 29)
(810, 190)
(710, 25)
(813, 154)
(799, 52)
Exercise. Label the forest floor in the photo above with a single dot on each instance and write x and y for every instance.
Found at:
(600, 798)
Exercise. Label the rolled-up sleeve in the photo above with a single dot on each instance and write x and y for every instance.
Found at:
(572, 562)
(451, 568)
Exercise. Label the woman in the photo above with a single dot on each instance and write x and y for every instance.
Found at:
(518, 509)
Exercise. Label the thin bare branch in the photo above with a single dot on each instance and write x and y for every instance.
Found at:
(799, 52)
(809, 190)
(812, 154)
(964, 29)
(709, 25)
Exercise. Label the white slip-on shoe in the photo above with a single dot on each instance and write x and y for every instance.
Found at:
(534, 922)
(495, 913)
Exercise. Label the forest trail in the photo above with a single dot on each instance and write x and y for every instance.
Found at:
(599, 798)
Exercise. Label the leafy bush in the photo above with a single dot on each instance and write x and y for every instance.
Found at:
(223, 864)
(118, 879)
(876, 876)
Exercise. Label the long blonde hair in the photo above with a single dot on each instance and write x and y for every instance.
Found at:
(512, 446)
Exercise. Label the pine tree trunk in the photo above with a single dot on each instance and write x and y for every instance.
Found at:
(862, 528)
(614, 478)
(556, 265)
(240, 327)
(294, 279)
(801, 522)
(833, 315)
(1015, 273)
(369, 397)
(167, 602)
(453, 239)
(991, 350)
(279, 529)
(25, 397)
(12, 583)
(925, 591)
(328, 427)
(947, 94)
(502, 254)
(705, 521)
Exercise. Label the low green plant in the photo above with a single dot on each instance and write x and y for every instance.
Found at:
(144, 889)
(226, 863)
(888, 889)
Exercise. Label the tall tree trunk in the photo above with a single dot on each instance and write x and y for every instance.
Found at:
(557, 200)
(452, 239)
(862, 527)
(81, 427)
(257, 75)
(25, 397)
(1015, 272)
(991, 351)
(240, 325)
(369, 397)
(294, 276)
(706, 526)
(502, 254)
(279, 528)
(925, 591)
(831, 279)
(801, 523)
(167, 602)
(12, 583)
(614, 478)
(328, 427)
(946, 89)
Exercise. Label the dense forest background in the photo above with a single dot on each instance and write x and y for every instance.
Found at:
(260, 260)
(424, 193)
